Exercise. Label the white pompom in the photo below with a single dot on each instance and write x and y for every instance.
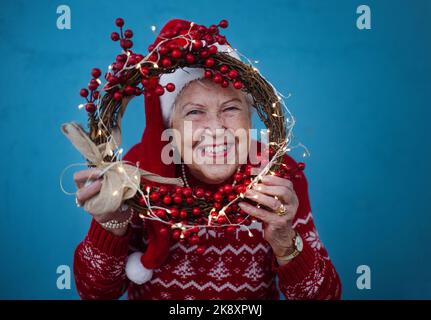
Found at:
(135, 271)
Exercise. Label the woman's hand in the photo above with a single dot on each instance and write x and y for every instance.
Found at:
(89, 183)
(272, 193)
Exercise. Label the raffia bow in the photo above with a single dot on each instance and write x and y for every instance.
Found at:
(120, 181)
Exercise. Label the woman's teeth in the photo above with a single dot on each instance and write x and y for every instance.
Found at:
(215, 149)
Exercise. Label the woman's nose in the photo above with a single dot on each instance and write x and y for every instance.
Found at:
(214, 122)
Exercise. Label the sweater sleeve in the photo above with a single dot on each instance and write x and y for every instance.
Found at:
(311, 274)
(99, 264)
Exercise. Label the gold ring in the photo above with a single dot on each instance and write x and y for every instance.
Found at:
(281, 211)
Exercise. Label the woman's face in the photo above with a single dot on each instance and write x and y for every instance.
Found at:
(213, 125)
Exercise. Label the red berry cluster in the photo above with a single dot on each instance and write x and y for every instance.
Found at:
(199, 52)
(183, 205)
(92, 95)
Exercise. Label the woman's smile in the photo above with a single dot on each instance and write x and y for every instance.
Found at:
(216, 151)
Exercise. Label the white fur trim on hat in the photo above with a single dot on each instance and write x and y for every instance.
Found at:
(135, 271)
(180, 78)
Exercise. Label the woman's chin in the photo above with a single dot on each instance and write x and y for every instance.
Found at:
(217, 173)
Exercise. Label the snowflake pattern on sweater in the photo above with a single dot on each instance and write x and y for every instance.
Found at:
(233, 267)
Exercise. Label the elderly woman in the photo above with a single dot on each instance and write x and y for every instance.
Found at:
(242, 264)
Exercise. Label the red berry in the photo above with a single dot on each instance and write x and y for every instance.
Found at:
(176, 234)
(190, 200)
(204, 54)
(160, 213)
(212, 49)
(163, 189)
(166, 62)
(217, 206)
(217, 78)
(167, 200)
(218, 197)
(221, 219)
(224, 68)
(227, 188)
(170, 87)
(129, 90)
(231, 197)
(93, 84)
(190, 58)
(83, 92)
(208, 74)
(96, 94)
(90, 107)
(209, 62)
(178, 199)
(221, 39)
(200, 192)
(237, 84)
(301, 165)
(159, 90)
(128, 33)
(176, 54)
(187, 192)
(183, 214)
(154, 196)
(194, 240)
(174, 212)
(151, 47)
(126, 44)
(196, 211)
(238, 176)
(223, 24)
(115, 36)
(225, 84)
(96, 73)
(118, 96)
(241, 188)
(119, 22)
(233, 74)
(197, 44)
(213, 28)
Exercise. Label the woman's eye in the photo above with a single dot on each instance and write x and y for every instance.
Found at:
(193, 112)
(231, 108)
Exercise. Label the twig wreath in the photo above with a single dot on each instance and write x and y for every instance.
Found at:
(182, 208)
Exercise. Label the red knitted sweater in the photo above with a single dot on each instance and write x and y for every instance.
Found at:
(234, 266)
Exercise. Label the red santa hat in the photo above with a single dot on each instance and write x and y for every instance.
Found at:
(147, 153)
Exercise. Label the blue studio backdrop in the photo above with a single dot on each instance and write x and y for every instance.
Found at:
(360, 98)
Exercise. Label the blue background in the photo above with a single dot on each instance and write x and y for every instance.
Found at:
(361, 100)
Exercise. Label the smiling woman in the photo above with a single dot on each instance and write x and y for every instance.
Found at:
(252, 232)
(215, 115)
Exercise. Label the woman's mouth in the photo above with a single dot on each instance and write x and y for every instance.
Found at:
(215, 151)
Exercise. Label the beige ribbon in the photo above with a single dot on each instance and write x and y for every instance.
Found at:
(120, 181)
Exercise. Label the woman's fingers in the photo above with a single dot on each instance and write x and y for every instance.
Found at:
(259, 213)
(81, 177)
(283, 193)
(85, 193)
(268, 201)
(277, 181)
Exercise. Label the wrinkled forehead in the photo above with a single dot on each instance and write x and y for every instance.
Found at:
(204, 91)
